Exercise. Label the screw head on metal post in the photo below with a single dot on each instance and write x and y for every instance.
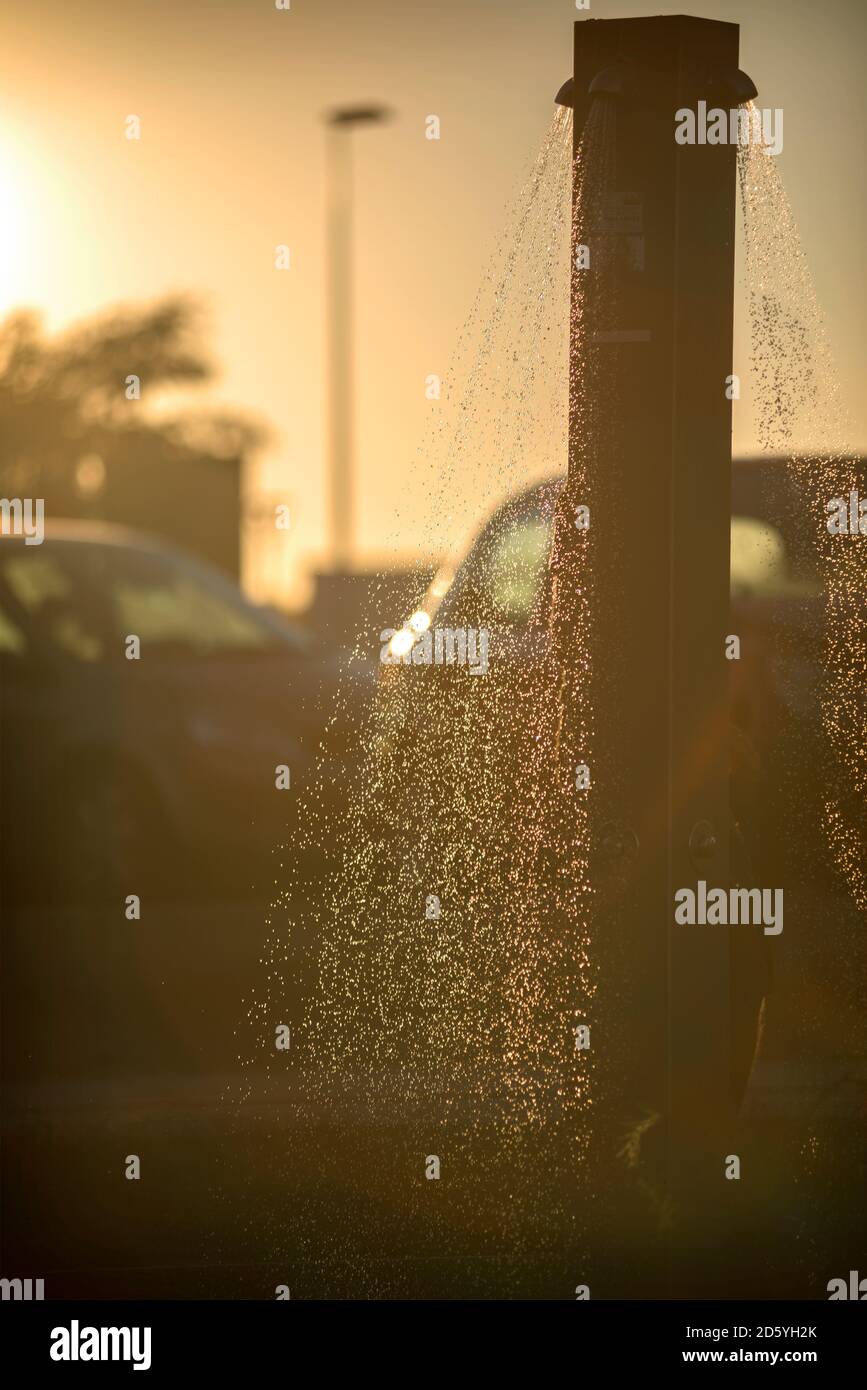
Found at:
(618, 842)
(702, 844)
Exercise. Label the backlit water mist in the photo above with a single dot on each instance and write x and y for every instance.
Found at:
(435, 961)
(798, 399)
(449, 1031)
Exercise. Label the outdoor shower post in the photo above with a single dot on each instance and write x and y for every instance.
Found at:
(658, 488)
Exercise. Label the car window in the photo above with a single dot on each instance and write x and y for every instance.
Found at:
(516, 568)
(165, 604)
(47, 585)
(11, 636)
(761, 564)
(502, 579)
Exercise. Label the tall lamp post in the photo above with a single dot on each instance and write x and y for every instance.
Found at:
(341, 503)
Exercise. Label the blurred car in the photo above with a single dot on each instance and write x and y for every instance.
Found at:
(776, 610)
(116, 770)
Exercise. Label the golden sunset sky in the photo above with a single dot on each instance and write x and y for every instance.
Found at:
(230, 94)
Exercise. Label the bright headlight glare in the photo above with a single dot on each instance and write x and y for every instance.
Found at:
(402, 642)
(420, 621)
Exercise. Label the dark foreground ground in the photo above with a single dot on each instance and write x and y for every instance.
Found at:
(237, 1197)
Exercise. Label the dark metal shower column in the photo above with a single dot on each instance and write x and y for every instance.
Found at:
(658, 487)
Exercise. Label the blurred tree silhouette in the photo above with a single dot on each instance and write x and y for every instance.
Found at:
(64, 398)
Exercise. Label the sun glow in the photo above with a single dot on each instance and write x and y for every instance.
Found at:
(13, 223)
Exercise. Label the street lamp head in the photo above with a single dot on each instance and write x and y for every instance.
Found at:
(357, 115)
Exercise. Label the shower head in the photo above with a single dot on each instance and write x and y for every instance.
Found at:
(732, 86)
(727, 86)
(617, 80)
(624, 78)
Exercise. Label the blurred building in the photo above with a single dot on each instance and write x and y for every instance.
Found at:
(194, 503)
